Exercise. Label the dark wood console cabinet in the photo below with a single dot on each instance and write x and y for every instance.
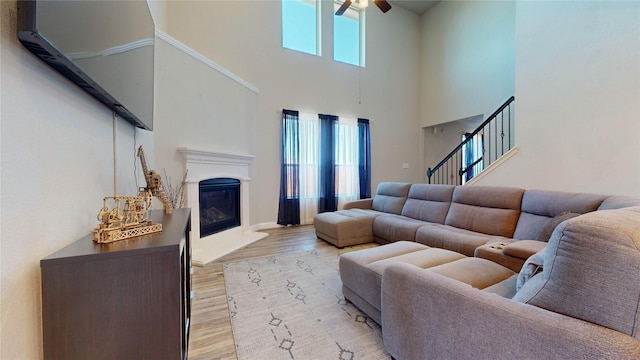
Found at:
(130, 299)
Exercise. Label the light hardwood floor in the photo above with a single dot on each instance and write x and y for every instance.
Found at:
(211, 336)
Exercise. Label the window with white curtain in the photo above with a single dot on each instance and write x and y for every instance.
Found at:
(346, 160)
(348, 184)
(303, 180)
(309, 135)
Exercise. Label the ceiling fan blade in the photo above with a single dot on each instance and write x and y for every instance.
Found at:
(344, 7)
(383, 5)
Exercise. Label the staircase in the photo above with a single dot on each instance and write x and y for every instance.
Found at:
(478, 150)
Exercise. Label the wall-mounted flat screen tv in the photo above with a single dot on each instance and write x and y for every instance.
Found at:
(105, 47)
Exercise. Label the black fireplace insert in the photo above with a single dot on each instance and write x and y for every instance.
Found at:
(219, 205)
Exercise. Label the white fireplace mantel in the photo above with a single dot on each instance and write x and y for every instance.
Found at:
(202, 165)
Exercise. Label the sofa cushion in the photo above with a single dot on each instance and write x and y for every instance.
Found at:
(531, 267)
(505, 288)
(390, 197)
(591, 269)
(479, 273)
(358, 204)
(489, 210)
(428, 202)
(547, 230)
(389, 228)
(453, 238)
(618, 202)
(356, 212)
(538, 206)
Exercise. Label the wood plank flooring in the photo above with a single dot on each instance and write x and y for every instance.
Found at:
(211, 336)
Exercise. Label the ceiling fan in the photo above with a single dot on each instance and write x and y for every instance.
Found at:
(383, 5)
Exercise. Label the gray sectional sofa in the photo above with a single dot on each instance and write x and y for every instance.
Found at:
(459, 252)
(484, 221)
(584, 304)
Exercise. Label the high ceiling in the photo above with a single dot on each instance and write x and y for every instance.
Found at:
(417, 6)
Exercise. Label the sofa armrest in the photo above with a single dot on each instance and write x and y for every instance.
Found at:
(523, 249)
(427, 315)
(358, 204)
(493, 251)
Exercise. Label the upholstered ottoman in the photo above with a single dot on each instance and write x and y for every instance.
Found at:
(361, 271)
(344, 228)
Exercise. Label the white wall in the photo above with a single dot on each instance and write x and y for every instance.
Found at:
(245, 38)
(199, 107)
(158, 9)
(57, 165)
(466, 59)
(578, 98)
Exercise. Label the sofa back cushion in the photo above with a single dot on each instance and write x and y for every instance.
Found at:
(540, 206)
(492, 210)
(390, 197)
(591, 268)
(618, 202)
(428, 202)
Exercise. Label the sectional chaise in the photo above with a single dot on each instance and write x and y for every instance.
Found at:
(476, 239)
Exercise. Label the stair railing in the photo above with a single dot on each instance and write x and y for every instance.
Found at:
(495, 137)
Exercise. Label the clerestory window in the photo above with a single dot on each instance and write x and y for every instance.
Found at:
(348, 35)
(301, 26)
(301, 30)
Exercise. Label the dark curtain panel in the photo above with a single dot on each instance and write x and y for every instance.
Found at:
(364, 158)
(327, 199)
(289, 205)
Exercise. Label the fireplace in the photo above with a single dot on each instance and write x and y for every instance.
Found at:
(202, 166)
(219, 205)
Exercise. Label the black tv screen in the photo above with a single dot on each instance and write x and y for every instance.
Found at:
(105, 47)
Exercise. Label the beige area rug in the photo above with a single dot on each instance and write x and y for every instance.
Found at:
(291, 307)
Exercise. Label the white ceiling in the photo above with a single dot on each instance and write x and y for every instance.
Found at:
(417, 6)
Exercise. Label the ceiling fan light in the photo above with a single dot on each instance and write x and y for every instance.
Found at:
(363, 3)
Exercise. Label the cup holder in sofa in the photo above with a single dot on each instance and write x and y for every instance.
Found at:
(497, 246)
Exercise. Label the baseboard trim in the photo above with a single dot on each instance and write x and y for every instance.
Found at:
(269, 225)
(263, 226)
